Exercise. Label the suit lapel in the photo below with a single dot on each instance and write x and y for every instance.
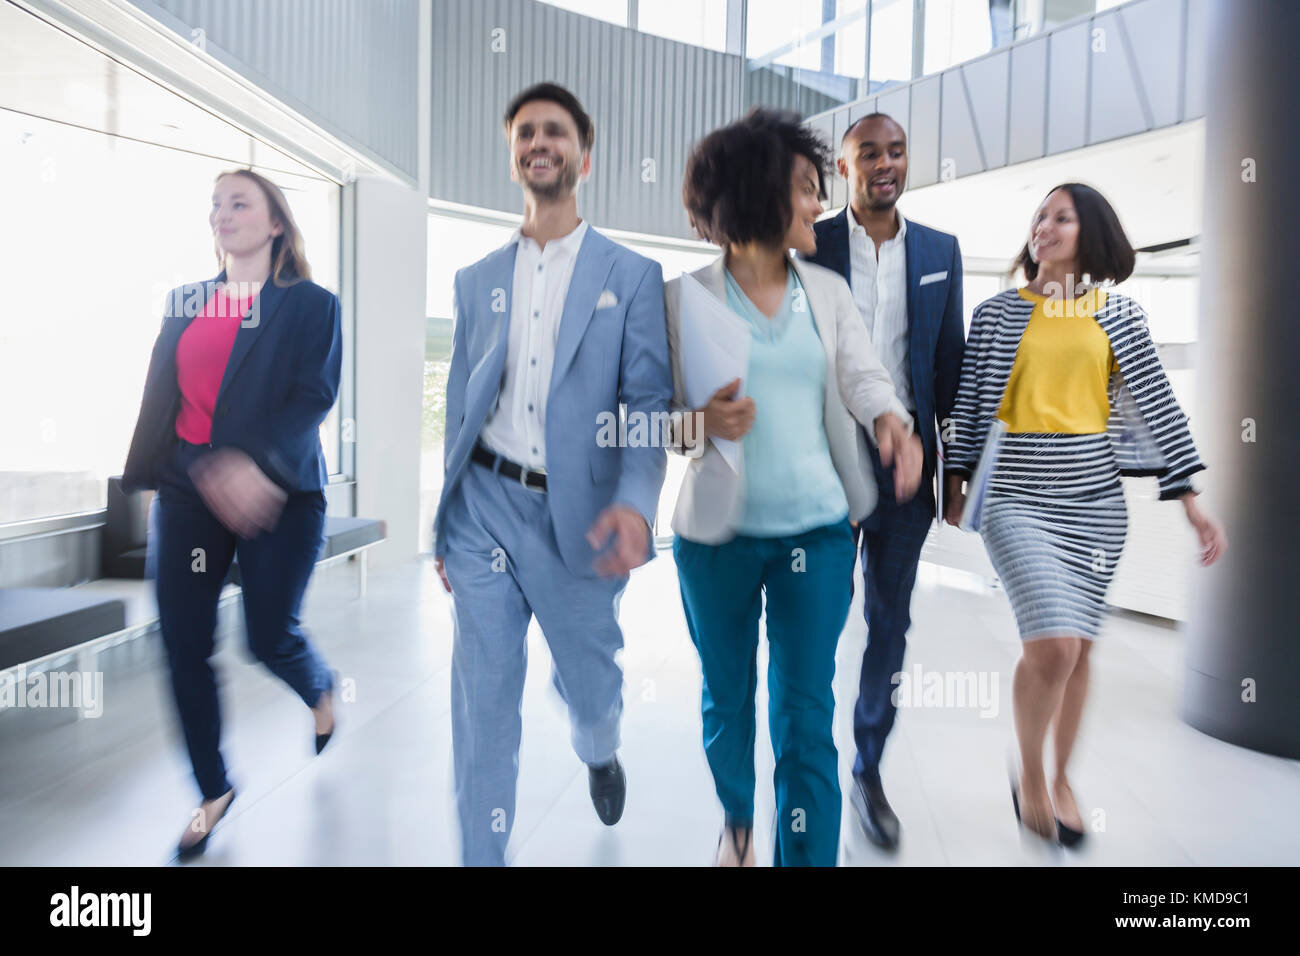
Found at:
(839, 242)
(912, 252)
(184, 309)
(714, 277)
(268, 299)
(594, 263)
(822, 309)
(499, 273)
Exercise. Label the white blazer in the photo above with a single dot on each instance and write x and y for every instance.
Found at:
(712, 495)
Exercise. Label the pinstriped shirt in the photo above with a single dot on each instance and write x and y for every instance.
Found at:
(880, 293)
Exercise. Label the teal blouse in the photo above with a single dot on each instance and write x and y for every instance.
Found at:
(791, 485)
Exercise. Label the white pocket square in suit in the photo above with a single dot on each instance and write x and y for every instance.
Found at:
(608, 300)
(934, 277)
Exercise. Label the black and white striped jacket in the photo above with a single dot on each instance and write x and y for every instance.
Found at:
(1147, 427)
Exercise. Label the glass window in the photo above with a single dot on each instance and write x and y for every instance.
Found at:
(956, 31)
(611, 11)
(807, 55)
(781, 25)
(99, 228)
(891, 42)
(697, 22)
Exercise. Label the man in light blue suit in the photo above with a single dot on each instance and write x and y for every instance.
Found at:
(540, 514)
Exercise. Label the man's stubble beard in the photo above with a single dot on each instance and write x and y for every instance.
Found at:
(876, 205)
(563, 186)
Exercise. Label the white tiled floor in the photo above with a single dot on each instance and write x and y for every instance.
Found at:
(117, 789)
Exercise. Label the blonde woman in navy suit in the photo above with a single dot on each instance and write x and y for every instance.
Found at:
(245, 369)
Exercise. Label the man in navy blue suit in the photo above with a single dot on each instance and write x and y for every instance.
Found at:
(906, 280)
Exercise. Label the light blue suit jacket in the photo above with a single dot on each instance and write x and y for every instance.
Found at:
(607, 356)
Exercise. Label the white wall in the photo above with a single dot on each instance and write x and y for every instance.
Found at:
(391, 237)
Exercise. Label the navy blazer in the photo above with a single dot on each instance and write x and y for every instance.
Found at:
(936, 331)
(280, 383)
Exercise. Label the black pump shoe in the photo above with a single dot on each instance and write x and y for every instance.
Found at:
(1015, 804)
(184, 853)
(1069, 837)
(323, 739)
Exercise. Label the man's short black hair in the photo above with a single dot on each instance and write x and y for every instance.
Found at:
(554, 93)
(864, 119)
(1103, 250)
(737, 185)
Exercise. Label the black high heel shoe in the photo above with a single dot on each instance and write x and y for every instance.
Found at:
(1068, 837)
(323, 739)
(1015, 804)
(184, 853)
(738, 845)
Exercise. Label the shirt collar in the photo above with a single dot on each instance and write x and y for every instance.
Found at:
(568, 244)
(856, 227)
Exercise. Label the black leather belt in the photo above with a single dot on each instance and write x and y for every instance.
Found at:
(535, 480)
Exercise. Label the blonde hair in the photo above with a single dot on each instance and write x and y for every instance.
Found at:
(288, 260)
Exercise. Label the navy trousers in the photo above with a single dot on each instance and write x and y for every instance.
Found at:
(194, 551)
(890, 540)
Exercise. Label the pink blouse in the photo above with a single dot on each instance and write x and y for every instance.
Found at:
(201, 357)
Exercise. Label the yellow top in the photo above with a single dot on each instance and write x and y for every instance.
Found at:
(1059, 381)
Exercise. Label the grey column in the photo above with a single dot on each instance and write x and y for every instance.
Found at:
(1244, 633)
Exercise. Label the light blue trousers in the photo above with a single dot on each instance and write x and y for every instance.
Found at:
(504, 567)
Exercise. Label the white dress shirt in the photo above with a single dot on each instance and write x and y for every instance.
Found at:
(516, 428)
(880, 293)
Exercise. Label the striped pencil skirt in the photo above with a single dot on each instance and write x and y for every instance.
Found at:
(1054, 526)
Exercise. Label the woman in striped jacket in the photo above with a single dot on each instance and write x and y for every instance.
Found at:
(1071, 371)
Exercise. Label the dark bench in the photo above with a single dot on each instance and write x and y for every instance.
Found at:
(36, 623)
(41, 623)
(341, 539)
(124, 542)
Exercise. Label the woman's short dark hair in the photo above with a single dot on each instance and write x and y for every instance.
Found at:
(554, 93)
(1104, 252)
(737, 185)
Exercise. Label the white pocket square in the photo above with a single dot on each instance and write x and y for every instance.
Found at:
(934, 277)
(608, 299)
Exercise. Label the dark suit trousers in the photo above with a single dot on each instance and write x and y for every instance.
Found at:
(890, 540)
(275, 568)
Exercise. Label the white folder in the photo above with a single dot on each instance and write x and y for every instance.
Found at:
(977, 488)
(715, 350)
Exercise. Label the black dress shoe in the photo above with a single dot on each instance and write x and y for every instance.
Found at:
(874, 813)
(608, 791)
(184, 853)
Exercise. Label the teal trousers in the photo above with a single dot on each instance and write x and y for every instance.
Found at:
(806, 580)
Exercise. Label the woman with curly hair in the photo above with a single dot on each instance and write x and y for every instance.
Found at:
(778, 526)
